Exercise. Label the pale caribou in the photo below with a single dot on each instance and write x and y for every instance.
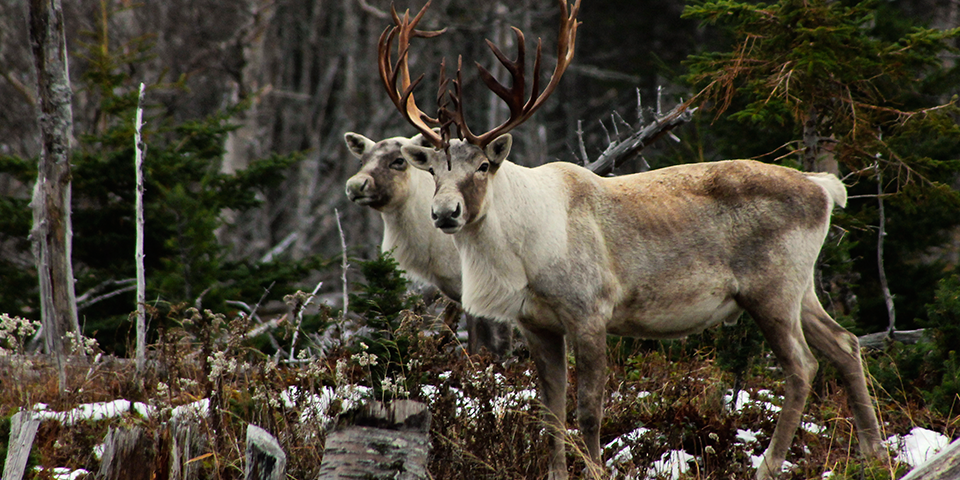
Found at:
(571, 257)
(402, 195)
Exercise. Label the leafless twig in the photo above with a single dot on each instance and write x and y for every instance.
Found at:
(299, 307)
(128, 288)
(376, 12)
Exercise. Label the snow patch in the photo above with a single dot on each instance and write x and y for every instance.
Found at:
(92, 411)
(672, 464)
(917, 446)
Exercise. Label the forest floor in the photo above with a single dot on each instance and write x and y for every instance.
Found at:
(669, 413)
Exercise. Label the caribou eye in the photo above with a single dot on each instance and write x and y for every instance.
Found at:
(484, 167)
(431, 171)
(397, 163)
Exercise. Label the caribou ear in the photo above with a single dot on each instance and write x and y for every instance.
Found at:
(498, 149)
(423, 142)
(417, 156)
(358, 144)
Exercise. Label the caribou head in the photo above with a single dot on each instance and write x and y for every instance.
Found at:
(462, 167)
(384, 181)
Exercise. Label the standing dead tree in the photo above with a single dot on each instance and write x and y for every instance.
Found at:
(52, 231)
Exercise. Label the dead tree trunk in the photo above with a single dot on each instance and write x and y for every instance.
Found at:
(384, 441)
(52, 232)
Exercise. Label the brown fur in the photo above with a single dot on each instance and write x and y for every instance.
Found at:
(573, 257)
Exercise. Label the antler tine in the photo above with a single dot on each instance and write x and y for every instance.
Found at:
(520, 111)
(403, 98)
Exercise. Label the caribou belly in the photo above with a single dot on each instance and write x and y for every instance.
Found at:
(676, 320)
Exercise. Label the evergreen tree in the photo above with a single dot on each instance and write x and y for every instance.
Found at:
(849, 87)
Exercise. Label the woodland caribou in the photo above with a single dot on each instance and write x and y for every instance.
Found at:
(403, 195)
(571, 257)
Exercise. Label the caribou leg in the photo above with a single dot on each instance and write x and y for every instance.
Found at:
(779, 320)
(548, 351)
(842, 349)
(590, 349)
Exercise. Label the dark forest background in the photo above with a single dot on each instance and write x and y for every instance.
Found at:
(248, 100)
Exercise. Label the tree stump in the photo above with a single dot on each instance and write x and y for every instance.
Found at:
(945, 465)
(186, 443)
(23, 429)
(381, 441)
(265, 458)
(129, 454)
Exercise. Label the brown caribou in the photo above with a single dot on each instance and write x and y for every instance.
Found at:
(571, 257)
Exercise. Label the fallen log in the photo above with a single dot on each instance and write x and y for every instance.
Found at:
(880, 340)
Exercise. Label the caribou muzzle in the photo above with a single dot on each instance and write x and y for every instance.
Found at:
(360, 190)
(446, 219)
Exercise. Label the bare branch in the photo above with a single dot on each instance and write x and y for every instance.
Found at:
(583, 149)
(280, 248)
(617, 154)
(376, 12)
(128, 288)
(138, 253)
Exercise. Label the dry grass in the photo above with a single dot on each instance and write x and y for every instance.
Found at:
(680, 400)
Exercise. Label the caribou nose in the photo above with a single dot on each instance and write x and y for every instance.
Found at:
(446, 219)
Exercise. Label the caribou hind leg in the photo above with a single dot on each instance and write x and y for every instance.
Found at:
(779, 320)
(842, 349)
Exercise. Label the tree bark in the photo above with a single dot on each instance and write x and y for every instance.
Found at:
(23, 429)
(129, 454)
(265, 459)
(386, 441)
(52, 232)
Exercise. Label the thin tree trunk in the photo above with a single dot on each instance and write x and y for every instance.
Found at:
(141, 281)
(885, 287)
(52, 233)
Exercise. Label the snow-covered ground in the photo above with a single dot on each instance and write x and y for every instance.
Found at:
(913, 448)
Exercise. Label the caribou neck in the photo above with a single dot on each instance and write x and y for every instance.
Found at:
(522, 230)
(424, 252)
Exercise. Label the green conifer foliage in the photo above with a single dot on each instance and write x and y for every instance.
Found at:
(381, 301)
(860, 83)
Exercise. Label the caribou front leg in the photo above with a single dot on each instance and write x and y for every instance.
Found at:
(548, 351)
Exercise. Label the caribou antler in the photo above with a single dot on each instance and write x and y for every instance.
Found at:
(520, 111)
(404, 30)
